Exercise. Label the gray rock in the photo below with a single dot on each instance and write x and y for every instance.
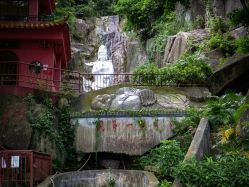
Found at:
(243, 125)
(177, 47)
(147, 97)
(173, 101)
(126, 101)
(239, 32)
(214, 57)
(197, 8)
(136, 55)
(15, 129)
(127, 90)
(82, 27)
(102, 102)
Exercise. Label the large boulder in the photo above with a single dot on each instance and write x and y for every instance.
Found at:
(177, 44)
(243, 125)
(196, 8)
(102, 102)
(222, 8)
(125, 98)
(136, 55)
(15, 126)
(125, 102)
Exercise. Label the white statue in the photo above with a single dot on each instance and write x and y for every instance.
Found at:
(102, 70)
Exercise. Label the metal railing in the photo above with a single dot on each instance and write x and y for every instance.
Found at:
(38, 77)
(25, 168)
(99, 81)
(42, 77)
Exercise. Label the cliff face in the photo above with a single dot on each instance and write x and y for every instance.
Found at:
(199, 8)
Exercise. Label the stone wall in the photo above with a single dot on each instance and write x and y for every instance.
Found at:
(128, 135)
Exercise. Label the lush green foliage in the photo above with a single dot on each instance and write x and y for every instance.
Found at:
(199, 22)
(61, 133)
(226, 171)
(165, 158)
(225, 42)
(165, 183)
(164, 27)
(188, 70)
(82, 9)
(243, 45)
(219, 111)
(240, 17)
(142, 14)
(217, 25)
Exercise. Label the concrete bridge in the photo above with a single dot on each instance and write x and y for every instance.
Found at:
(234, 75)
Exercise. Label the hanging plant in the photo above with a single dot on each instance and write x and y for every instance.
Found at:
(114, 125)
(142, 123)
(155, 123)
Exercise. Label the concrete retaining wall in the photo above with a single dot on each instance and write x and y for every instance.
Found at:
(122, 135)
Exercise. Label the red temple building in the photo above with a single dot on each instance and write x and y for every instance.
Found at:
(34, 48)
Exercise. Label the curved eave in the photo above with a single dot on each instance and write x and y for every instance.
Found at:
(32, 25)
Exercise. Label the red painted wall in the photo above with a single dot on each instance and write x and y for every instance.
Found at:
(29, 51)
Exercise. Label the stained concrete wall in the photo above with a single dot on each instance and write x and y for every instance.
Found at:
(122, 135)
(102, 178)
(200, 144)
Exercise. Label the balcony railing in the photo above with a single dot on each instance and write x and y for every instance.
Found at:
(38, 77)
(41, 77)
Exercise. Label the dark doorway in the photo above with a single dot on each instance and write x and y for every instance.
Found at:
(8, 68)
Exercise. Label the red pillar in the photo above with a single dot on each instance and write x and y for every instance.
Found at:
(33, 10)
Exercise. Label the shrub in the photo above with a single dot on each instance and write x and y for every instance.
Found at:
(165, 158)
(230, 171)
(239, 17)
(225, 42)
(217, 25)
(220, 111)
(243, 45)
(188, 70)
(199, 22)
(164, 27)
(142, 14)
(146, 73)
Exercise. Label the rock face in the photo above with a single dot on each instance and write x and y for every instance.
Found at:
(134, 99)
(189, 14)
(222, 8)
(243, 125)
(102, 102)
(177, 44)
(198, 8)
(125, 54)
(15, 129)
(239, 32)
(125, 98)
(135, 55)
